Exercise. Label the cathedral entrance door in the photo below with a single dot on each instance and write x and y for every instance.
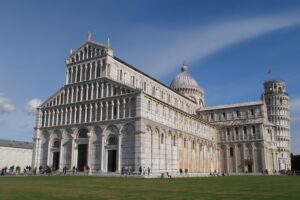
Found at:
(249, 166)
(112, 160)
(82, 156)
(55, 161)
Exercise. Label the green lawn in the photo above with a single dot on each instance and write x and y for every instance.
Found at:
(232, 187)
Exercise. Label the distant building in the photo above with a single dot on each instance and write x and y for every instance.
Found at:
(112, 117)
(15, 153)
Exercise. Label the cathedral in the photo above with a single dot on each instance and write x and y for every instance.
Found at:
(112, 118)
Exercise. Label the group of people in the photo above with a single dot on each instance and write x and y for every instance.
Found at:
(144, 170)
(12, 170)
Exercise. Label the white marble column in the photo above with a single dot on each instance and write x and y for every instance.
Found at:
(92, 92)
(112, 109)
(102, 88)
(101, 111)
(129, 107)
(72, 95)
(49, 152)
(62, 116)
(124, 108)
(61, 156)
(118, 109)
(96, 111)
(45, 119)
(97, 91)
(235, 158)
(73, 163)
(91, 113)
(253, 158)
(81, 93)
(87, 92)
(106, 110)
(80, 113)
(102, 153)
(81, 69)
(120, 153)
(85, 113)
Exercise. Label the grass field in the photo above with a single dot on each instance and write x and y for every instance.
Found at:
(232, 187)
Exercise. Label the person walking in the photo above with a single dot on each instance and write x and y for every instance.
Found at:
(148, 171)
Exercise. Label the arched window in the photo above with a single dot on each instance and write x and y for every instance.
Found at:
(112, 140)
(83, 133)
(184, 143)
(174, 140)
(56, 144)
(162, 138)
(231, 151)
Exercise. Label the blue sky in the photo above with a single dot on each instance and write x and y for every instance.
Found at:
(228, 45)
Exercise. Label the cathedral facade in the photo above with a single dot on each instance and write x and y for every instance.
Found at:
(113, 118)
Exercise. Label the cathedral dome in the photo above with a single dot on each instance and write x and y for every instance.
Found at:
(184, 81)
(186, 85)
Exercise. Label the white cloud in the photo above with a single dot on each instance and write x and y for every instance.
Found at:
(199, 42)
(5, 104)
(295, 123)
(32, 105)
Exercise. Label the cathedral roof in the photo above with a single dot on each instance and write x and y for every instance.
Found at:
(184, 81)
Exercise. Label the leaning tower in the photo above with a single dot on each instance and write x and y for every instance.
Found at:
(277, 102)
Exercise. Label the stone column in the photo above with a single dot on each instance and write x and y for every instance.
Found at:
(227, 158)
(101, 111)
(102, 88)
(89, 151)
(91, 71)
(49, 152)
(61, 156)
(80, 113)
(75, 115)
(96, 111)
(77, 94)
(118, 109)
(66, 116)
(75, 79)
(91, 112)
(124, 108)
(120, 153)
(253, 158)
(244, 157)
(45, 119)
(53, 117)
(236, 157)
(129, 106)
(92, 92)
(87, 92)
(106, 110)
(112, 109)
(85, 113)
(62, 115)
(102, 153)
(72, 95)
(97, 91)
(81, 93)
(80, 78)
(73, 151)
(68, 92)
(106, 90)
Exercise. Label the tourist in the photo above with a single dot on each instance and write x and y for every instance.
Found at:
(74, 169)
(148, 171)
(140, 170)
(168, 175)
(65, 170)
